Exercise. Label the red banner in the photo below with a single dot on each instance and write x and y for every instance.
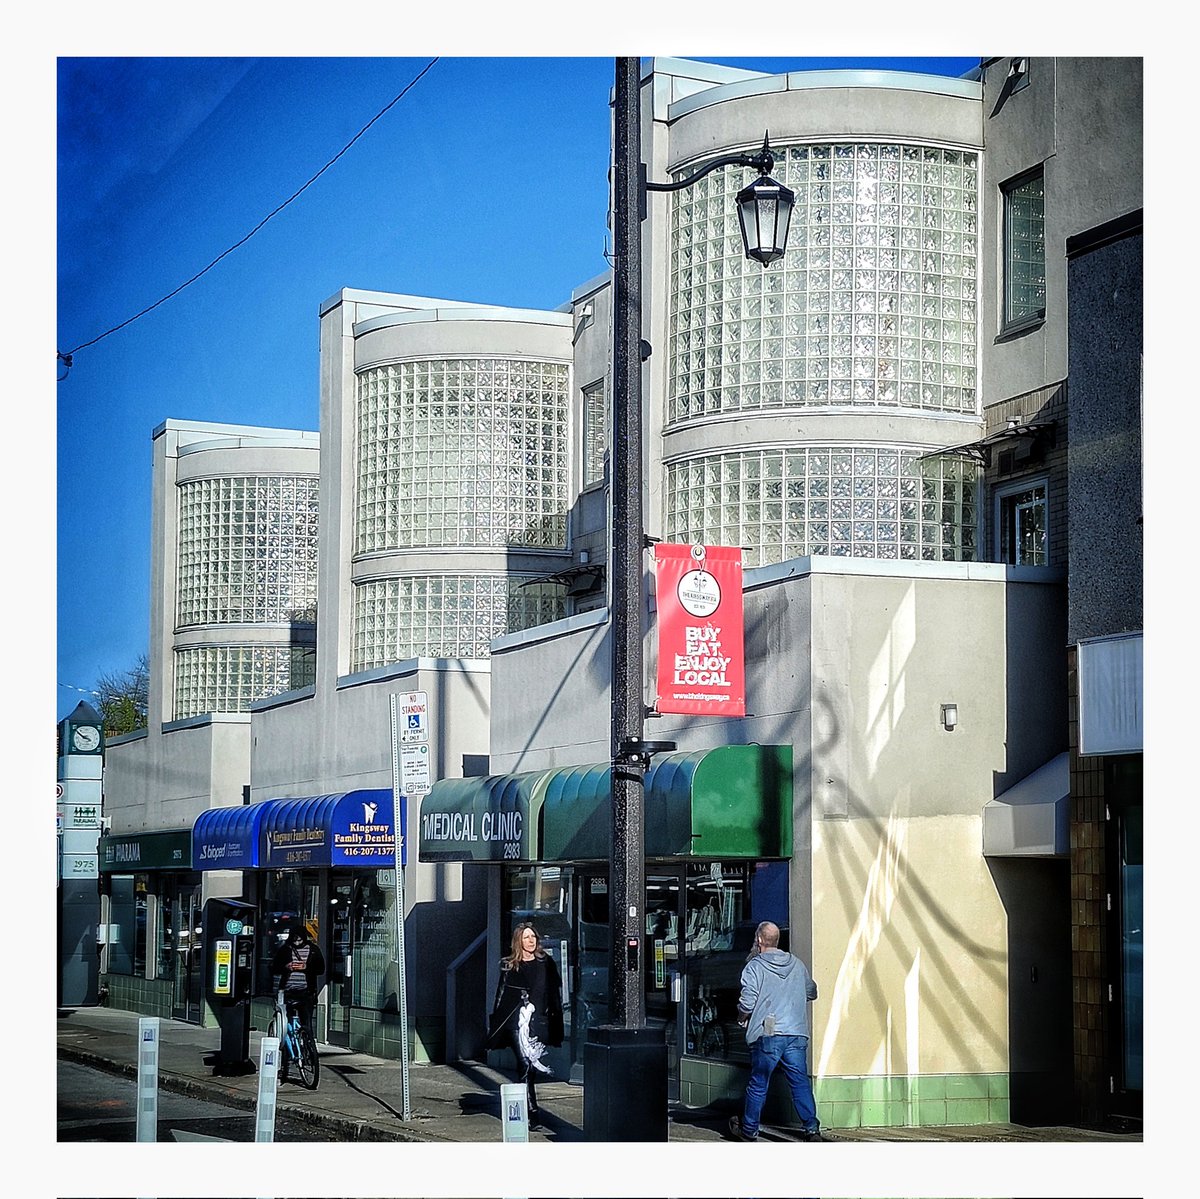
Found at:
(701, 660)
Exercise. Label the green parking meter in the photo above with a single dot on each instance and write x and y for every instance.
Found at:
(229, 930)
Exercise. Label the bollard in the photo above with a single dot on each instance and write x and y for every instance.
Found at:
(147, 1079)
(514, 1112)
(268, 1089)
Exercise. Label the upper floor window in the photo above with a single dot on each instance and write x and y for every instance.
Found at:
(595, 427)
(1022, 525)
(1024, 249)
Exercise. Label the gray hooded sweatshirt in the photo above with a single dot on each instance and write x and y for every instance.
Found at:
(776, 988)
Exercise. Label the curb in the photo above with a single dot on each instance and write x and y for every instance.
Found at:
(348, 1128)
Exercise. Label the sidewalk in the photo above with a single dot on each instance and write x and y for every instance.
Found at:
(361, 1098)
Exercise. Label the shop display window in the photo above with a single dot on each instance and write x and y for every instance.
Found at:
(372, 942)
(127, 916)
(288, 895)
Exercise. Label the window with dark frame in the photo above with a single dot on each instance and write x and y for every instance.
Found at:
(1023, 526)
(595, 424)
(1024, 249)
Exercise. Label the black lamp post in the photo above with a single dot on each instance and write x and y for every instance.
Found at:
(625, 1062)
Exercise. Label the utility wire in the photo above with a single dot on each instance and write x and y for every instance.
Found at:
(69, 355)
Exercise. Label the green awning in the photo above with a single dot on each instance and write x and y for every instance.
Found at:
(734, 801)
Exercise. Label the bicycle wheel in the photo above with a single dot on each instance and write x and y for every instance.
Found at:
(308, 1062)
(278, 1029)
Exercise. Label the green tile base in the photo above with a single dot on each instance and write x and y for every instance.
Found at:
(869, 1101)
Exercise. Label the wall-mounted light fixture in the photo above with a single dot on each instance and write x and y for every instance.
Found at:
(949, 717)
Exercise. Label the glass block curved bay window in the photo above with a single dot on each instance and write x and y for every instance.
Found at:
(247, 550)
(229, 678)
(875, 302)
(445, 615)
(844, 501)
(462, 452)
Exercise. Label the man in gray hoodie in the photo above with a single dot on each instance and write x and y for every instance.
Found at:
(773, 1007)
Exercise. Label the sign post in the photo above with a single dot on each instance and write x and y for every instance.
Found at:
(399, 789)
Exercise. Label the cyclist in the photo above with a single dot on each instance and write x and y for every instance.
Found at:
(298, 965)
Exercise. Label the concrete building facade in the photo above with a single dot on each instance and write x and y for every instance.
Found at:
(915, 426)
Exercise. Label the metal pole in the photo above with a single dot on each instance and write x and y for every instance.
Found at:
(401, 984)
(627, 887)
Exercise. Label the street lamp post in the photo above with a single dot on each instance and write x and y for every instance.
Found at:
(625, 1096)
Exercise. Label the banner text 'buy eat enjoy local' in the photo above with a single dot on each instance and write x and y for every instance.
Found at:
(701, 658)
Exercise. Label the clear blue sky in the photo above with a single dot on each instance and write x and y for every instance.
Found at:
(165, 163)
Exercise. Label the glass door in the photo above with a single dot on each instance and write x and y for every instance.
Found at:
(664, 969)
(340, 972)
(588, 977)
(186, 939)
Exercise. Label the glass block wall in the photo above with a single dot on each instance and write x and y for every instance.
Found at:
(445, 616)
(228, 678)
(451, 454)
(875, 302)
(849, 501)
(874, 306)
(247, 550)
(462, 452)
(246, 554)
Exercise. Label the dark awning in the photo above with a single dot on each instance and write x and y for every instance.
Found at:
(349, 828)
(132, 852)
(492, 818)
(734, 801)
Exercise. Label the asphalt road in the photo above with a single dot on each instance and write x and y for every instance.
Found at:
(94, 1105)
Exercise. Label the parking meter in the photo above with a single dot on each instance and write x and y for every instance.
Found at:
(229, 978)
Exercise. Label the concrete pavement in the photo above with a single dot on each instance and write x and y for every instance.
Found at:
(361, 1098)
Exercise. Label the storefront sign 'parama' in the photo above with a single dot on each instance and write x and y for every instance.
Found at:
(701, 659)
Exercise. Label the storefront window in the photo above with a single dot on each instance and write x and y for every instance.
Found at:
(288, 895)
(699, 927)
(724, 903)
(127, 925)
(373, 941)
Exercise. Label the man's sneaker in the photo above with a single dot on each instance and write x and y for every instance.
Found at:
(812, 1134)
(735, 1129)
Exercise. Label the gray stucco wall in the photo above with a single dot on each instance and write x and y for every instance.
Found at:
(1105, 456)
(1082, 119)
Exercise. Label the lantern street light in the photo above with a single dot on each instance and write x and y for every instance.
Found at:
(625, 1062)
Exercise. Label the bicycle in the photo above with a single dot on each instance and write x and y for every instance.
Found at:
(296, 1044)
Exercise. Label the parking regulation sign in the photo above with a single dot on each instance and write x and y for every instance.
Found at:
(414, 769)
(414, 717)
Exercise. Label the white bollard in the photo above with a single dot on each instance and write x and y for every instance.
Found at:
(268, 1089)
(147, 1079)
(514, 1111)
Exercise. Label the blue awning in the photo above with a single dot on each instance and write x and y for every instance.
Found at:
(228, 838)
(349, 828)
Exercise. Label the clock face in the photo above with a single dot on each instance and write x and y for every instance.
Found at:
(85, 738)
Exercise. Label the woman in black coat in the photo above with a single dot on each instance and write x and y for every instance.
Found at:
(529, 973)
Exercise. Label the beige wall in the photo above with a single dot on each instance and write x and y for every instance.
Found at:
(909, 948)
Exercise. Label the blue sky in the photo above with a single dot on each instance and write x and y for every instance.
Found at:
(165, 163)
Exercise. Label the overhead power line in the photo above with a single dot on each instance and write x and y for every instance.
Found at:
(67, 357)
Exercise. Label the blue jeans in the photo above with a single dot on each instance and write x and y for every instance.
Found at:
(792, 1054)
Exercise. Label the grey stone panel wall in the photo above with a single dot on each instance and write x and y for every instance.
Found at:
(1105, 456)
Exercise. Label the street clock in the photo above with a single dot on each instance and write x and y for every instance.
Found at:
(83, 731)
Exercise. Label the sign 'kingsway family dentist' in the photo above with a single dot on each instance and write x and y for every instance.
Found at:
(701, 660)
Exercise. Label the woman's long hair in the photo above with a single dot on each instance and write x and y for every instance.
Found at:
(514, 958)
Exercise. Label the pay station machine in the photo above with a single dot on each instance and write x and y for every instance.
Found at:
(229, 978)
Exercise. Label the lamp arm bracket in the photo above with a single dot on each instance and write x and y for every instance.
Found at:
(763, 161)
